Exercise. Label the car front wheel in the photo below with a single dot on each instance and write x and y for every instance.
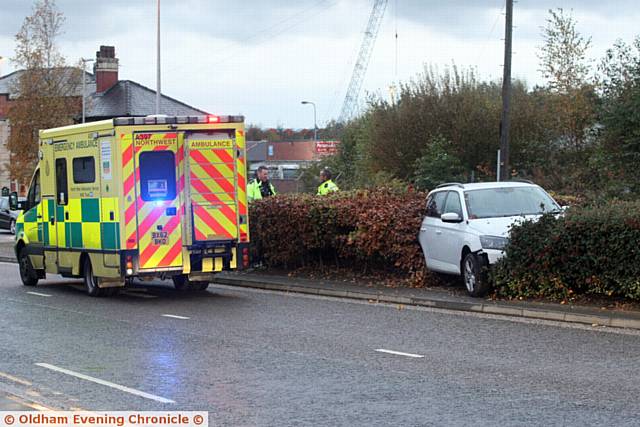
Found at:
(475, 278)
(12, 227)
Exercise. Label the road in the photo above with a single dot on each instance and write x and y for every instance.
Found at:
(261, 358)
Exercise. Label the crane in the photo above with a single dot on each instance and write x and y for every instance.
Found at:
(350, 103)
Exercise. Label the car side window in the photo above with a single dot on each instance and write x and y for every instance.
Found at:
(453, 204)
(435, 204)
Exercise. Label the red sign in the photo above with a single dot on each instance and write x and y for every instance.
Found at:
(327, 148)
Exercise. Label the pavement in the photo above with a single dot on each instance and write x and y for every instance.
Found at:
(261, 358)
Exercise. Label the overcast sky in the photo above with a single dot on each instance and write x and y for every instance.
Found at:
(260, 58)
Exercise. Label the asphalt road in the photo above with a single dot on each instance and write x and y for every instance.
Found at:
(260, 358)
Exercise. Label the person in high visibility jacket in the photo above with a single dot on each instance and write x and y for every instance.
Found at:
(327, 186)
(260, 187)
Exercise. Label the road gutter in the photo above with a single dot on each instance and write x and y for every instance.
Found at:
(520, 310)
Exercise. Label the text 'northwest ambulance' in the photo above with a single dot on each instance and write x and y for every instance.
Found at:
(148, 197)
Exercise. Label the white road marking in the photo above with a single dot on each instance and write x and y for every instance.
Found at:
(173, 316)
(38, 294)
(399, 353)
(14, 379)
(106, 383)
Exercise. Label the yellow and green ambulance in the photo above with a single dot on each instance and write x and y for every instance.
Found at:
(149, 197)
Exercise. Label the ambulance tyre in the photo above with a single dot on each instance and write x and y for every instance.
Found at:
(28, 275)
(91, 282)
(180, 282)
(199, 286)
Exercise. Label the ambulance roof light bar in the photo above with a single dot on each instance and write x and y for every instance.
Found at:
(162, 119)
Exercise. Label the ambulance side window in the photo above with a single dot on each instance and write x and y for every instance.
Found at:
(62, 190)
(158, 175)
(33, 198)
(84, 170)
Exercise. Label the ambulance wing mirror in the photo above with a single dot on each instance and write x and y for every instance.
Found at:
(14, 203)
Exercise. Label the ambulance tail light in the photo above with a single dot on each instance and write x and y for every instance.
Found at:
(243, 237)
(245, 257)
(129, 264)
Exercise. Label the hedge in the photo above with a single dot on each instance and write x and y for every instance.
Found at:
(364, 229)
(588, 251)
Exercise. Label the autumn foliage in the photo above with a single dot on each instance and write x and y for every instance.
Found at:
(366, 230)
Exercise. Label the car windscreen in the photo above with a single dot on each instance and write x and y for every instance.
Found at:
(508, 201)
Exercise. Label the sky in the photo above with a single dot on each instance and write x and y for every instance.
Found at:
(261, 58)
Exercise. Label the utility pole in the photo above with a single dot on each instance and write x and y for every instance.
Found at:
(505, 123)
(158, 65)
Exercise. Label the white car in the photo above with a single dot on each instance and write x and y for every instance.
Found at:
(467, 225)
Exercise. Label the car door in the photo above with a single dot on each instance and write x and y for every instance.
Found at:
(431, 231)
(452, 237)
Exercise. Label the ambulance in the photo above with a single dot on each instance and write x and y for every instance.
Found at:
(156, 197)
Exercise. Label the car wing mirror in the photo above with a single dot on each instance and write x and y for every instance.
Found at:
(450, 217)
(14, 204)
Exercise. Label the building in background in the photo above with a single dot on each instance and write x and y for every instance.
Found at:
(286, 160)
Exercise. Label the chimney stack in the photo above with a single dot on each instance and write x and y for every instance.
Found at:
(105, 68)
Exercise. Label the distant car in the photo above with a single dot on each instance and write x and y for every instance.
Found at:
(7, 216)
(467, 226)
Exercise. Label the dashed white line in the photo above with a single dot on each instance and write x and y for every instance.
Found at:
(38, 294)
(106, 383)
(399, 353)
(173, 316)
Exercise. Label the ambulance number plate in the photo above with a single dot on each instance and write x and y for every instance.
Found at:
(160, 237)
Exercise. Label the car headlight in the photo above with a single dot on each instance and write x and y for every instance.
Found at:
(493, 242)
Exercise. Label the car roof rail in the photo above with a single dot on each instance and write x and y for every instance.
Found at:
(526, 181)
(451, 184)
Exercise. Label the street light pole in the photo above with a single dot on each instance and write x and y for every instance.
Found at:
(84, 85)
(315, 121)
(158, 65)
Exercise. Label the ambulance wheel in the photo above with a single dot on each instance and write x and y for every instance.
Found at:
(180, 282)
(91, 281)
(28, 275)
(199, 286)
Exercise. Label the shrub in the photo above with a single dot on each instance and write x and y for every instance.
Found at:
(366, 229)
(589, 251)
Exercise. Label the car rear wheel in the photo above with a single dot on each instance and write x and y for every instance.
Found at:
(475, 278)
(28, 275)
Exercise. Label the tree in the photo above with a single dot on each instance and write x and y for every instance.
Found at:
(47, 90)
(620, 112)
(563, 55)
(571, 98)
(438, 165)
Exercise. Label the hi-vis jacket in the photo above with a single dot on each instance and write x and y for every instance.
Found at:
(327, 187)
(145, 196)
(254, 192)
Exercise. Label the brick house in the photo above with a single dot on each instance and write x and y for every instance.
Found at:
(105, 96)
